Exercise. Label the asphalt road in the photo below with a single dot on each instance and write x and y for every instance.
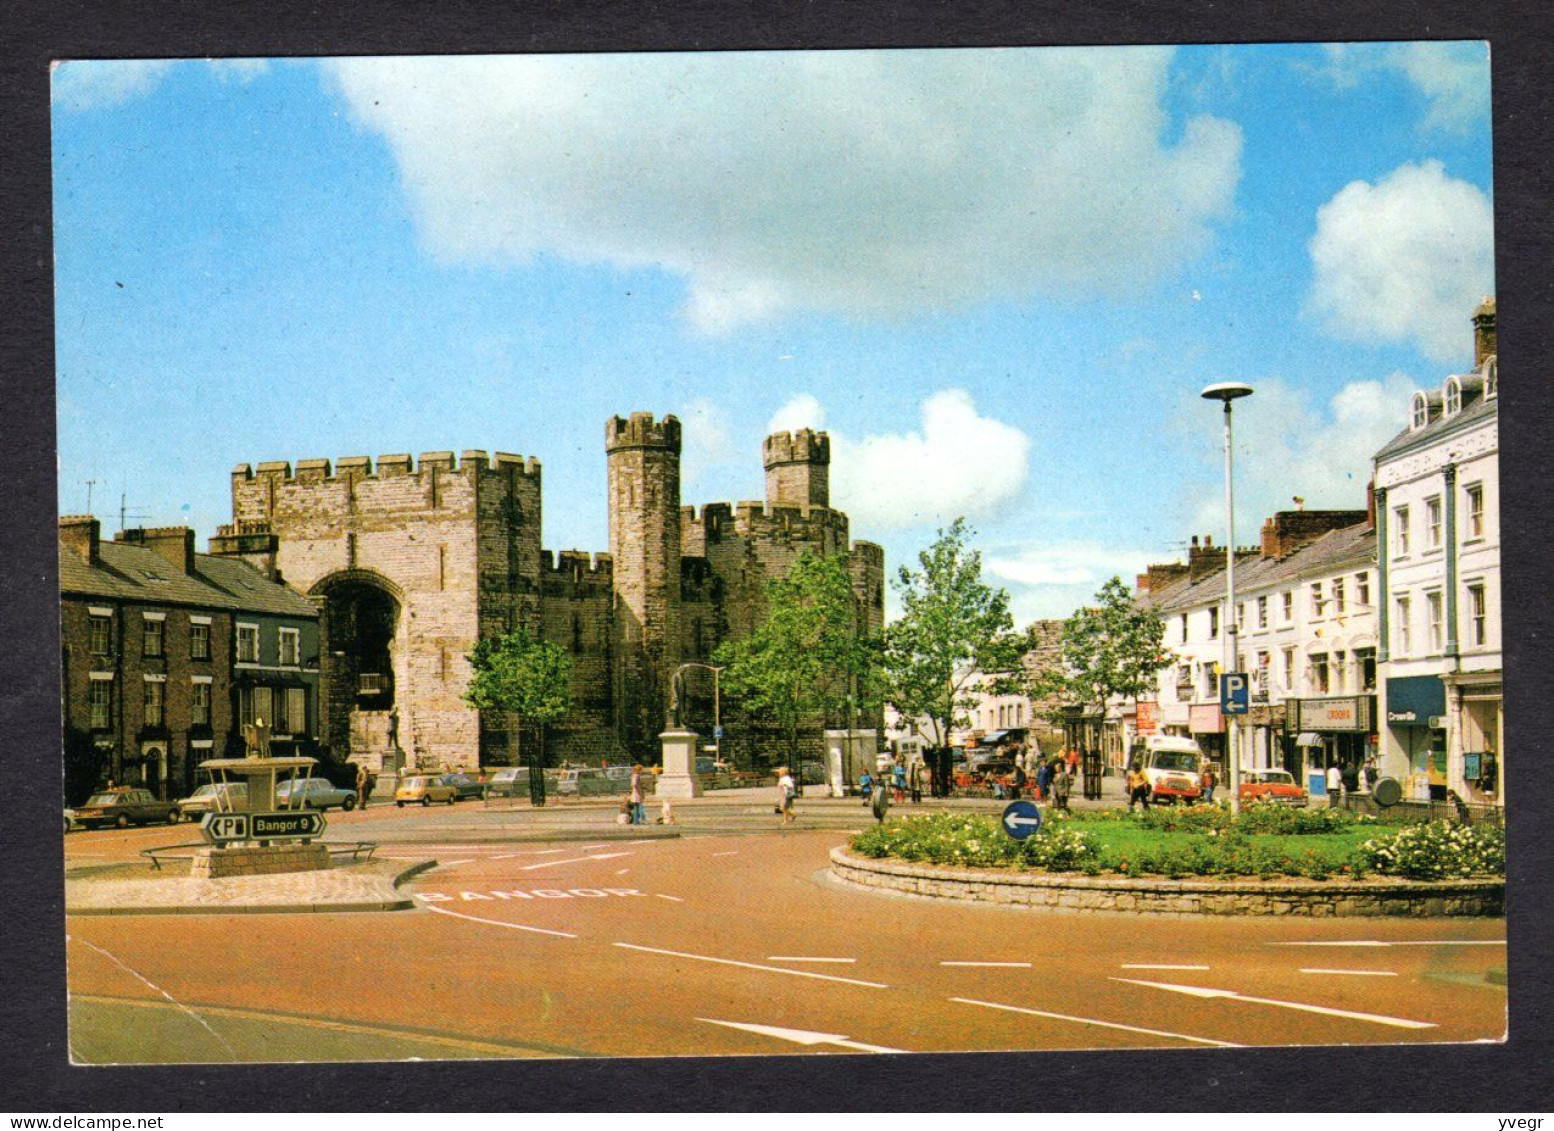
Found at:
(533, 939)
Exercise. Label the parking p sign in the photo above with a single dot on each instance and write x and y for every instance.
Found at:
(1234, 693)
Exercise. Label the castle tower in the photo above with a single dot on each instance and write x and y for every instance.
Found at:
(798, 469)
(644, 475)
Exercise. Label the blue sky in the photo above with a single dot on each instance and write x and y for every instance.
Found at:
(998, 278)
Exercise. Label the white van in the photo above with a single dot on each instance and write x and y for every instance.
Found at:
(1172, 765)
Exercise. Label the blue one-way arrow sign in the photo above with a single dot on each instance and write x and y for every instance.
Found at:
(1021, 819)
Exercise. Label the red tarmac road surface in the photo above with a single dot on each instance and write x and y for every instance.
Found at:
(741, 945)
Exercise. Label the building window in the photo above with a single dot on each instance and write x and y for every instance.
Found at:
(1475, 509)
(1453, 396)
(291, 647)
(1262, 612)
(1400, 532)
(1287, 662)
(1362, 589)
(1184, 628)
(248, 643)
(1214, 624)
(1338, 596)
(199, 642)
(1401, 637)
(1240, 615)
(199, 705)
(1433, 617)
(255, 703)
(1184, 682)
(1419, 414)
(1340, 671)
(100, 635)
(1210, 681)
(1319, 674)
(154, 702)
(1260, 674)
(1365, 665)
(1478, 625)
(1287, 605)
(1433, 523)
(101, 703)
(151, 642)
(1316, 599)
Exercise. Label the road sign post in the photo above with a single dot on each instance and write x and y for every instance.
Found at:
(1234, 693)
(1021, 819)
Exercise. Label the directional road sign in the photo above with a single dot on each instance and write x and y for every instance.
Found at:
(1021, 819)
(1234, 693)
(225, 828)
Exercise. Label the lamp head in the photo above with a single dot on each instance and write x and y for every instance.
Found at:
(1226, 391)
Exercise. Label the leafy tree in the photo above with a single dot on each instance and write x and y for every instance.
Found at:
(807, 658)
(1111, 649)
(954, 627)
(529, 678)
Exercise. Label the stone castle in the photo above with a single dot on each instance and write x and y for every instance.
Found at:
(410, 561)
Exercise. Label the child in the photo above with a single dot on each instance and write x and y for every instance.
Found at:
(666, 812)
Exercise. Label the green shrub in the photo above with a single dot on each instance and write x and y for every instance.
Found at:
(1438, 850)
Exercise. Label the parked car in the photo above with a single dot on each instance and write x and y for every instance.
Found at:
(313, 793)
(465, 785)
(121, 808)
(423, 789)
(587, 781)
(1171, 764)
(510, 781)
(1271, 785)
(219, 797)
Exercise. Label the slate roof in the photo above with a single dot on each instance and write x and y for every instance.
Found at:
(135, 573)
(1471, 414)
(1333, 550)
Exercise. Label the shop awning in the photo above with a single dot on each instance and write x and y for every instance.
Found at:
(1308, 738)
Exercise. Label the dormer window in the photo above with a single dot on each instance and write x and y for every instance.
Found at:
(1453, 396)
(1420, 413)
(1491, 380)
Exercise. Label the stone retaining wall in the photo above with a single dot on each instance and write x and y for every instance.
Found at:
(1076, 893)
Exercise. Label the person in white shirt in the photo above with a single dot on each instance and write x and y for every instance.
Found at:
(785, 791)
(1335, 785)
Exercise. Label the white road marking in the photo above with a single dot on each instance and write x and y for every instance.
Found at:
(498, 922)
(574, 860)
(1364, 973)
(139, 977)
(590, 847)
(754, 966)
(1158, 966)
(1231, 995)
(671, 898)
(1399, 942)
(1093, 1021)
(801, 1036)
(734, 853)
(623, 872)
(802, 958)
(1021, 965)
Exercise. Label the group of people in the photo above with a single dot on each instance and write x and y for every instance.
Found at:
(895, 775)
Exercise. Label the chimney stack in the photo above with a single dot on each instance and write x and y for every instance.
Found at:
(1484, 331)
(175, 543)
(81, 533)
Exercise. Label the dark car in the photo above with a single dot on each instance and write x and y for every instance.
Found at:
(122, 808)
(466, 785)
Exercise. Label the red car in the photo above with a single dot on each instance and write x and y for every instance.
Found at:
(1271, 785)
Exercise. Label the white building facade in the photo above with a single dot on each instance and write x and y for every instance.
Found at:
(1437, 503)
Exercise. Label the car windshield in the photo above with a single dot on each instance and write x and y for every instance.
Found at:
(203, 792)
(1276, 777)
(104, 799)
(1179, 761)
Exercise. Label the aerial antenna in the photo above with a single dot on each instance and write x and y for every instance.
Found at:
(89, 485)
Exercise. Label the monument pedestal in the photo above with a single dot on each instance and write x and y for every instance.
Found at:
(258, 860)
(679, 778)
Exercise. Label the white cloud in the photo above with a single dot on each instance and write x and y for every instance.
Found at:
(1404, 260)
(862, 183)
(93, 84)
(1052, 579)
(1286, 446)
(707, 440)
(1453, 76)
(958, 462)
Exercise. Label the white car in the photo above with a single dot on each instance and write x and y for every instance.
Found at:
(1172, 765)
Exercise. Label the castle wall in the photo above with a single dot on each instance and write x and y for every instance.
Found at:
(576, 600)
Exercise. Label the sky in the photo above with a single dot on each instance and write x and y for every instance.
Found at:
(998, 278)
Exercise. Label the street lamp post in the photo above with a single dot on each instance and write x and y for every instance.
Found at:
(1227, 392)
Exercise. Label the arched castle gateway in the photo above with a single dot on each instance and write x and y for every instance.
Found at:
(410, 561)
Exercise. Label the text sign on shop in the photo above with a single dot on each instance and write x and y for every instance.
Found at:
(226, 828)
(1335, 714)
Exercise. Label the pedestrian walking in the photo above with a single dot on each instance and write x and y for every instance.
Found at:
(363, 784)
(638, 810)
(1043, 781)
(1062, 785)
(1335, 786)
(1372, 773)
(785, 791)
(866, 786)
(1020, 780)
(1138, 787)
(898, 781)
(1210, 780)
(915, 780)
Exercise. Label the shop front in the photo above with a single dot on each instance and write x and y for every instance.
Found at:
(1475, 730)
(1416, 724)
(1266, 749)
(1335, 731)
(1207, 727)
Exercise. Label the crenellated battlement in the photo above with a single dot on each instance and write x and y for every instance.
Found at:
(640, 430)
(803, 446)
(871, 554)
(387, 466)
(753, 518)
(577, 565)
